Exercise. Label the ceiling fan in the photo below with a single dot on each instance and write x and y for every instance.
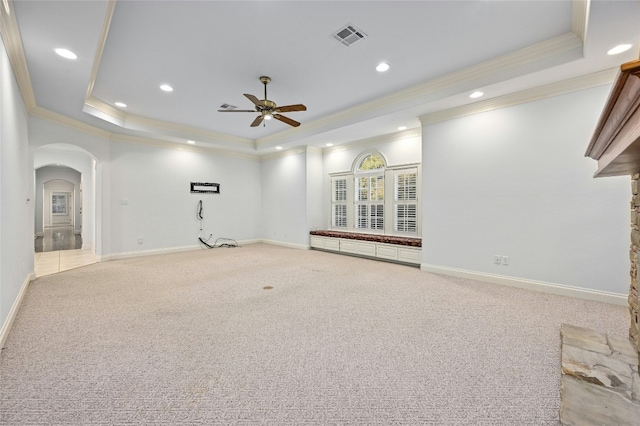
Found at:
(268, 109)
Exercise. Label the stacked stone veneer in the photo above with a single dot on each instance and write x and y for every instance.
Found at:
(634, 252)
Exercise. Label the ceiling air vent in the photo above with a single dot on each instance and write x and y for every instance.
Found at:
(348, 35)
(227, 107)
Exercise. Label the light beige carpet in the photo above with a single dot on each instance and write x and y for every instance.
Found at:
(194, 338)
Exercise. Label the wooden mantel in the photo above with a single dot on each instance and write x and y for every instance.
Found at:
(616, 141)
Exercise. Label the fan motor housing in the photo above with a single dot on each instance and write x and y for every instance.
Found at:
(267, 105)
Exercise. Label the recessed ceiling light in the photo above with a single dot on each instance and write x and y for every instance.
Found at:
(329, 144)
(619, 49)
(121, 104)
(382, 67)
(191, 142)
(166, 88)
(476, 95)
(402, 128)
(278, 148)
(66, 53)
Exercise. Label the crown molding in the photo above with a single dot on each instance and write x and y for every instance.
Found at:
(182, 147)
(104, 111)
(13, 44)
(580, 18)
(113, 115)
(376, 140)
(111, 7)
(150, 125)
(69, 122)
(536, 93)
(92, 130)
(285, 153)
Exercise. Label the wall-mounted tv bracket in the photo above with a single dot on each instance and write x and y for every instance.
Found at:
(205, 188)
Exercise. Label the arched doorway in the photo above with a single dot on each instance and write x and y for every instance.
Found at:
(67, 182)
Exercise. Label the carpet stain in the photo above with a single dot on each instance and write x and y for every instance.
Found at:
(268, 287)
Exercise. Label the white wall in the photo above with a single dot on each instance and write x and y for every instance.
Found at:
(16, 188)
(154, 183)
(315, 181)
(284, 199)
(51, 173)
(515, 182)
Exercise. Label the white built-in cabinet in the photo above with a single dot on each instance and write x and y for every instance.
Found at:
(398, 253)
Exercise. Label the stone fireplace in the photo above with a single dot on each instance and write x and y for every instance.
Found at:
(600, 381)
(633, 253)
(616, 146)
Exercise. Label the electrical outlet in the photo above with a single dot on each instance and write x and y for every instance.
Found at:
(497, 259)
(140, 240)
(505, 260)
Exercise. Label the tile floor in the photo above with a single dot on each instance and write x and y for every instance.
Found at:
(51, 262)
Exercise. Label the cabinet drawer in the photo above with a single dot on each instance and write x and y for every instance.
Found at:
(332, 244)
(387, 252)
(316, 242)
(358, 247)
(409, 255)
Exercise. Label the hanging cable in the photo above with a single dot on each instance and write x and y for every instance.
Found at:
(200, 217)
(226, 242)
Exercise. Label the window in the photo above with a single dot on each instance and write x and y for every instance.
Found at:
(376, 198)
(405, 203)
(59, 203)
(339, 202)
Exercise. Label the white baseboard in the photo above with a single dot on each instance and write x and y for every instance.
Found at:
(285, 244)
(6, 327)
(541, 286)
(153, 252)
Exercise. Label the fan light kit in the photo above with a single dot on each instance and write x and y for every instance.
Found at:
(268, 109)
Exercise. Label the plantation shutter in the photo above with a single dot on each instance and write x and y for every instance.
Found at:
(369, 202)
(339, 202)
(406, 201)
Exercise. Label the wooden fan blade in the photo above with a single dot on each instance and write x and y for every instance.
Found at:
(256, 101)
(290, 108)
(236, 110)
(257, 121)
(287, 120)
